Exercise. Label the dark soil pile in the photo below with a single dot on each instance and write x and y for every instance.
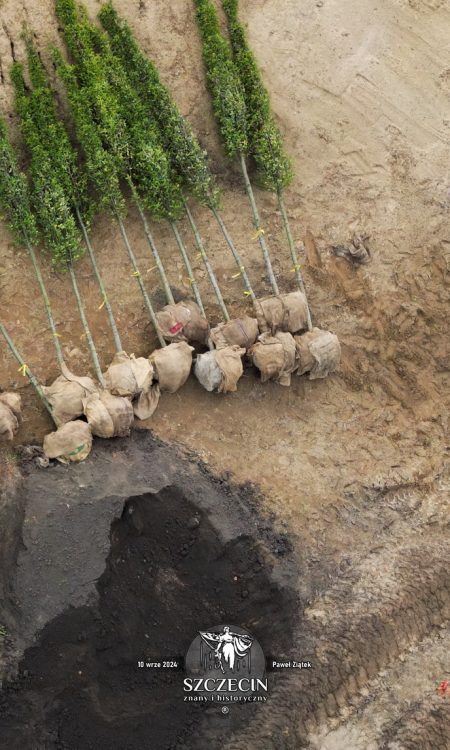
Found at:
(168, 575)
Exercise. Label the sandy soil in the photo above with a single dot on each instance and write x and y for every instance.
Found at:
(362, 94)
(363, 99)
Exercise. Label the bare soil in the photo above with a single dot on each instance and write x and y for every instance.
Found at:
(177, 560)
(355, 466)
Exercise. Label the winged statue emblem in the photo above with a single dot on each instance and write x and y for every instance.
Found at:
(228, 648)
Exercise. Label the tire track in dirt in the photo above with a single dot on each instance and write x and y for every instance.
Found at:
(400, 708)
(392, 599)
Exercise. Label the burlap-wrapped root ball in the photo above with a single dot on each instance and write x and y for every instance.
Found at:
(66, 394)
(132, 377)
(183, 322)
(108, 415)
(220, 370)
(241, 332)
(275, 357)
(172, 365)
(70, 442)
(10, 407)
(284, 312)
(128, 375)
(318, 353)
(147, 402)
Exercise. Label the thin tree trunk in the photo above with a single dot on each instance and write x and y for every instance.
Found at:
(111, 318)
(294, 256)
(209, 269)
(153, 248)
(86, 328)
(188, 266)
(258, 227)
(25, 369)
(137, 274)
(48, 309)
(236, 255)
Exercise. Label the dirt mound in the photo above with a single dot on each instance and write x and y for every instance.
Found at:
(180, 559)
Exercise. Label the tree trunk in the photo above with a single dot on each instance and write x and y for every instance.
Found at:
(40, 280)
(294, 256)
(87, 332)
(25, 369)
(209, 269)
(236, 255)
(137, 274)
(153, 248)
(258, 227)
(188, 267)
(112, 321)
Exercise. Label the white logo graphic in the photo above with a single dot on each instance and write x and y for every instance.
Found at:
(225, 664)
(227, 648)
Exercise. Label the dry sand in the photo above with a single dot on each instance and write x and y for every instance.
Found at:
(362, 93)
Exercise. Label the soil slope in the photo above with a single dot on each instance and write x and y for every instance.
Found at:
(362, 95)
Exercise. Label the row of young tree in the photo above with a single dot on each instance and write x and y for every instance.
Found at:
(132, 140)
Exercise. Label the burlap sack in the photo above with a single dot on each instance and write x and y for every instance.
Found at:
(318, 353)
(172, 365)
(172, 320)
(143, 373)
(230, 363)
(9, 424)
(128, 375)
(241, 332)
(13, 401)
(275, 357)
(121, 411)
(207, 371)
(66, 395)
(290, 358)
(70, 442)
(108, 415)
(147, 402)
(98, 417)
(286, 312)
(183, 322)
(220, 369)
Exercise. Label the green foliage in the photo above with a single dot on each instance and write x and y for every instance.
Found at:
(265, 140)
(100, 164)
(226, 89)
(89, 73)
(150, 168)
(188, 159)
(120, 117)
(52, 205)
(53, 210)
(14, 193)
(41, 104)
(66, 10)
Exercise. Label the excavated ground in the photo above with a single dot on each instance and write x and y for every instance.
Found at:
(352, 472)
(103, 579)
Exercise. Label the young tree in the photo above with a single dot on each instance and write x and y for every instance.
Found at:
(140, 156)
(151, 175)
(16, 206)
(24, 369)
(274, 168)
(100, 164)
(229, 107)
(187, 156)
(54, 136)
(188, 159)
(51, 204)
